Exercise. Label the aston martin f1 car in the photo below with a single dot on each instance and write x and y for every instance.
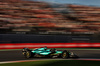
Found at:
(46, 52)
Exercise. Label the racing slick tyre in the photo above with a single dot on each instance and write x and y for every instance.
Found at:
(26, 49)
(28, 54)
(65, 54)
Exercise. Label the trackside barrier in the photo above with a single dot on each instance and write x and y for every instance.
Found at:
(49, 45)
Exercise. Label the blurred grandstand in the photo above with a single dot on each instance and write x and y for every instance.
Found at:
(19, 16)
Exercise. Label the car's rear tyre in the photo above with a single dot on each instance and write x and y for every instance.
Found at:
(27, 53)
(65, 54)
(26, 49)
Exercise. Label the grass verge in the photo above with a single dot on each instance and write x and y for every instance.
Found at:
(55, 63)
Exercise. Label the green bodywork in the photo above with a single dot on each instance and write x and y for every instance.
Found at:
(45, 51)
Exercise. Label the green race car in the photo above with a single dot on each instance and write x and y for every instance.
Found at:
(45, 52)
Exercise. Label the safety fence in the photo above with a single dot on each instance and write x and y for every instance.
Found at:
(49, 45)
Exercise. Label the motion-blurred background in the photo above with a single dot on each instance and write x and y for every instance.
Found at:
(54, 21)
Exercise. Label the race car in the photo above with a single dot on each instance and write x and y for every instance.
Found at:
(46, 52)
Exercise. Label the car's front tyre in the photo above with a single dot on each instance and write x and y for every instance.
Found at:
(65, 54)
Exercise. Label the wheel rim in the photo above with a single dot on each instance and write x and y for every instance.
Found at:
(27, 54)
(64, 55)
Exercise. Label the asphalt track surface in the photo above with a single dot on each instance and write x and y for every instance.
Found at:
(15, 55)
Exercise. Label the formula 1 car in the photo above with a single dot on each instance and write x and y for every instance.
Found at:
(45, 52)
